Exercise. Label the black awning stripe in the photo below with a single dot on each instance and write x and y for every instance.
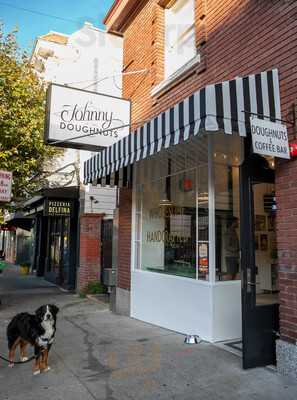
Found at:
(240, 107)
(271, 99)
(247, 103)
(219, 105)
(259, 98)
(202, 108)
(234, 109)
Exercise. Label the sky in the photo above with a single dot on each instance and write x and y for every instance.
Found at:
(65, 16)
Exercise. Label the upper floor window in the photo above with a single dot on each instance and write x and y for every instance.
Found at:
(179, 35)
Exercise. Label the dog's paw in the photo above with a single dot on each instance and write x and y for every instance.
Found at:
(24, 359)
(11, 365)
(37, 372)
(47, 369)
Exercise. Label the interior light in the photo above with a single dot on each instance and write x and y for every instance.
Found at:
(165, 202)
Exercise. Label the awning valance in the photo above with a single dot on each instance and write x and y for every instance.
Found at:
(225, 107)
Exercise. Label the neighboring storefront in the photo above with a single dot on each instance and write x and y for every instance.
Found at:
(17, 238)
(206, 233)
(8, 246)
(55, 234)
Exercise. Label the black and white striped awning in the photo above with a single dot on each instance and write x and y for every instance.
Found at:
(225, 107)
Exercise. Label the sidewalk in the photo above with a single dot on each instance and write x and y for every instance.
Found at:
(98, 355)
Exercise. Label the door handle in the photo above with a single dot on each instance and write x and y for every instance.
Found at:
(251, 283)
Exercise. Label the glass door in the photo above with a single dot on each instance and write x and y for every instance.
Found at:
(59, 248)
(258, 262)
(54, 245)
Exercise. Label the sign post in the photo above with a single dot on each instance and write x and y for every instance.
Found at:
(5, 186)
(269, 138)
(80, 119)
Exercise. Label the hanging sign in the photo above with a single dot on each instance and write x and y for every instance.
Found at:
(86, 120)
(5, 186)
(270, 138)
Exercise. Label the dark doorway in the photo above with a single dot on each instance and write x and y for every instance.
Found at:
(260, 318)
(58, 250)
(106, 245)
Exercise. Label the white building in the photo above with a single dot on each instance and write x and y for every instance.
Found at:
(90, 59)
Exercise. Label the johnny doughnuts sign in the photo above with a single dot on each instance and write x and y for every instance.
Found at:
(86, 120)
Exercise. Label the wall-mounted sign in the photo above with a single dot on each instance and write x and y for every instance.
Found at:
(269, 138)
(5, 186)
(100, 120)
(55, 208)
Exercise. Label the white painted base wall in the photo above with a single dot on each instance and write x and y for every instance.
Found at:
(187, 306)
(227, 314)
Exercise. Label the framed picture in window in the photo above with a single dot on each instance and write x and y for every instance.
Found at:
(271, 223)
(260, 223)
(263, 242)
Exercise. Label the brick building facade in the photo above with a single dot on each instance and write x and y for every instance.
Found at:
(233, 38)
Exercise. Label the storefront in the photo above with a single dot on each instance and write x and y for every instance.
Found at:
(55, 234)
(16, 238)
(203, 216)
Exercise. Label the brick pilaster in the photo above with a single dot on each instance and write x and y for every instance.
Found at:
(90, 249)
(124, 249)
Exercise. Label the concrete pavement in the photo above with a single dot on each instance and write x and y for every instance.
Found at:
(101, 356)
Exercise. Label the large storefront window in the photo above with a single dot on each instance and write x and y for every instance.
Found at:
(172, 213)
(187, 210)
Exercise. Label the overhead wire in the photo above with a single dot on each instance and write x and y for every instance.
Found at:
(37, 12)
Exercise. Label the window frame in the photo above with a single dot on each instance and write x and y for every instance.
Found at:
(169, 73)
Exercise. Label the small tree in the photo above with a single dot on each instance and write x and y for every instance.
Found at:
(22, 109)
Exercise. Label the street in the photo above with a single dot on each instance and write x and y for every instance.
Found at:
(99, 355)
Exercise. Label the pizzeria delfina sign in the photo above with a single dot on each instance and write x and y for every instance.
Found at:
(5, 186)
(98, 119)
(63, 208)
(270, 138)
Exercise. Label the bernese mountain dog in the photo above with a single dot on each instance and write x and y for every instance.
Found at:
(38, 330)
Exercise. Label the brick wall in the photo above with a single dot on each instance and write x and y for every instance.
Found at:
(124, 239)
(235, 38)
(90, 249)
(286, 191)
